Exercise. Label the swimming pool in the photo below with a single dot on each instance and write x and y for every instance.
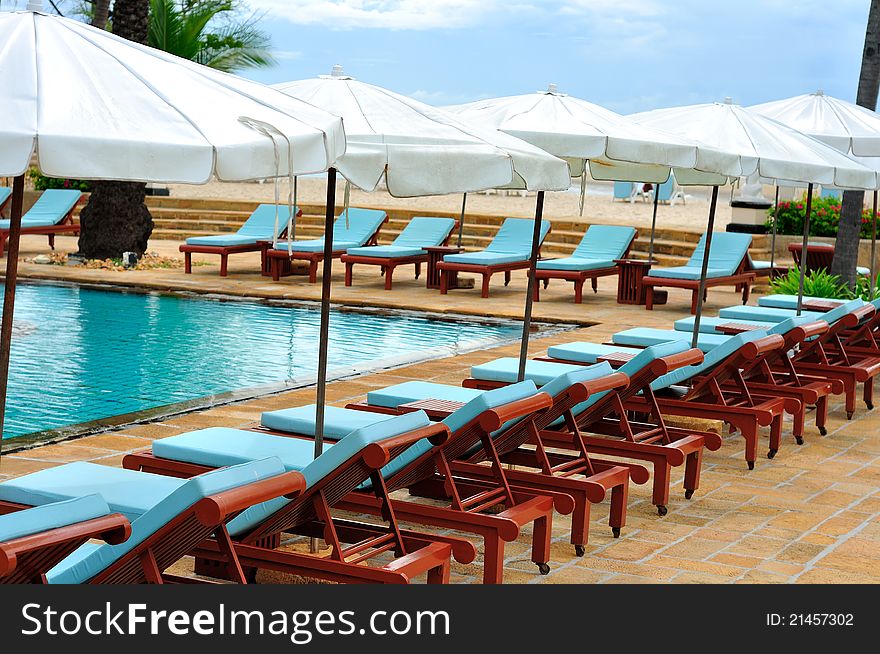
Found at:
(81, 354)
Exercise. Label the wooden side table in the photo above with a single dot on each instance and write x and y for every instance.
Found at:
(435, 256)
(616, 359)
(629, 281)
(283, 263)
(734, 328)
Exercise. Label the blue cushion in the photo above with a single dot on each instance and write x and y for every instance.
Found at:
(338, 422)
(713, 358)
(362, 224)
(759, 265)
(51, 516)
(5, 192)
(486, 258)
(765, 314)
(506, 370)
(709, 323)
(862, 270)
(226, 240)
(604, 242)
(490, 400)
(413, 391)
(584, 352)
(687, 272)
(424, 231)
(574, 263)
(317, 245)
(783, 301)
(261, 223)
(644, 336)
(79, 479)
(727, 252)
(49, 209)
(386, 251)
(515, 236)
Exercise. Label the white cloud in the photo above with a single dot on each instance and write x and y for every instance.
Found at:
(386, 14)
(287, 55)
(620, 8)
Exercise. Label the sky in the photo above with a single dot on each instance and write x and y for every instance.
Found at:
(627, 55)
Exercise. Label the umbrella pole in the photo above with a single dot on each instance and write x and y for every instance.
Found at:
(773, 238)
(461, 218)
(702, 289)
(324, 332)
(9, 293)
(533, 262)
(803, 265)
(873, 250)
(583, 191)
(653, 227)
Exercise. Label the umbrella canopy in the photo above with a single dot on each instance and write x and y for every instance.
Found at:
(843, 125)
(766, 147)
(420, 149)
(617, 147)
(96, 106)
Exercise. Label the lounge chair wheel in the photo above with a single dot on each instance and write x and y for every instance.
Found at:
(615, 531)
(544, 568)
(751, 465)
(689, 493)
(823, 431)
(799, 440)
(849, 415)
(579, 550)
(870, 405)
(662, 510)
(771, 454)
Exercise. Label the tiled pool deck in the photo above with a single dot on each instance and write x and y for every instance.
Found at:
(812, 515)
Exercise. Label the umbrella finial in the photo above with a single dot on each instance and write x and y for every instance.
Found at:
(728, 100)
(35, 5)
(336, 71)
(552, 88)
(820, 92)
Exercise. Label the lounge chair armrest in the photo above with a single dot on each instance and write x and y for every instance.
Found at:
(810, 329)
(376, 455)
(763, 345)
(663, 365)
(215, 509)
(493, 418)
(607, 383)
(863, 313)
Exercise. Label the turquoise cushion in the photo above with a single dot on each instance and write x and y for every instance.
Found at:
(861, 270)
(317, 245)
(226, 240)
(386, 251)
(566, 380)
(766, 314)
(573, 263)
(261, 223)
(49, 209)
(338, 422)
(357, 229)
(515, 236)
(644, 336)
(604, 242)
(584, 352)
(489, 400)
(713, 358)
(486, 258)
(687, 272)
(423, 232)
(506, 370)
(51, 516)
(5, 192)
(709, 323)
(79, 478)
(413, 391)
(759, 265)
(781, 301)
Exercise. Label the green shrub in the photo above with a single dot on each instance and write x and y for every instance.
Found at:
(817, 283)
(41, 182)
(862, 289)
(824, 217)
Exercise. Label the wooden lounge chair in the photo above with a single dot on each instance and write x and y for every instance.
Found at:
(624, 191)
(599, 424)
(406, 249)
(594, 257)
(819, 257)
(702, 397)
(260, 226)
(509, 250)
(587, 479)
(727, 262)
(359, 460)
(466, 500)
(34, 540)
(827, 356)
(169, 517)
(5, 198)
(51, 214)
(359, 228)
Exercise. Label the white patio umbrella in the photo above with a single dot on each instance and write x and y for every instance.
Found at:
(91, 105)
(422, 150)
(845, 126)
(766, 147)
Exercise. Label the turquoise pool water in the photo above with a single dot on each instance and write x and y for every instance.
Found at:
(80, 354)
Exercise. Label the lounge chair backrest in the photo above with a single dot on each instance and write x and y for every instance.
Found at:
(664, 191)
(489, 400)
(424, 232)
(728, 251)
(515, 236)
(839, 312)
(782, 328)
(52, 206)
(567, 380)
(186, 495)
(261, 223)
(362, 224)
(623, 190)
(714, 357)
(52, 516)
(605, 242)
(5, 192)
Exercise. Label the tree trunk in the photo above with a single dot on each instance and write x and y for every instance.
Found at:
(101, 13)
(116, 220)
(846, 248)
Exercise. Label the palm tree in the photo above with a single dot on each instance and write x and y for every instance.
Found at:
(207, 32)
(846, 248)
